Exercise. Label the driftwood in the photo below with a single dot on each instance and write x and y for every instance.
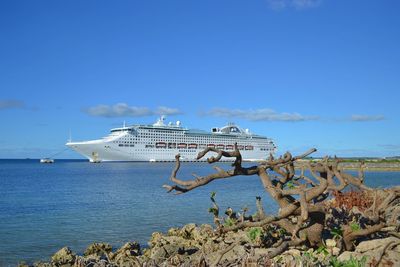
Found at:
(304, 201)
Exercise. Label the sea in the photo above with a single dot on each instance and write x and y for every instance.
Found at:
(44, 207)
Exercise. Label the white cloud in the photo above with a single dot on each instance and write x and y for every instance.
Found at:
(361, 118)
(259, 115)
(124, 110)
(10, 104)
(297, 4)
(167, 111)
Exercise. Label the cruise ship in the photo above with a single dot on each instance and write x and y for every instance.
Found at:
(160, 142)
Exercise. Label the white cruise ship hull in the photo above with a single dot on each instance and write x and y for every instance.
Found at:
(159, 143)
(98, 152)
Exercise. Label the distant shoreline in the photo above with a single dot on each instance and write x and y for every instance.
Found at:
(370, 165)
(379, 165)
(394, 167)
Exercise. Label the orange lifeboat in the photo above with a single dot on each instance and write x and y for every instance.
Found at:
(192, 146)
(182, 145)
(161, 145)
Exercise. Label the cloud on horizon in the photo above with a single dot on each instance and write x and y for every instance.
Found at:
(258, 115)
(124, 110)
(363, 118)
(297, 4)
(11, 104)
(390, 146)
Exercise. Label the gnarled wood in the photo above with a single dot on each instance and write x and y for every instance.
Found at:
(299, 197)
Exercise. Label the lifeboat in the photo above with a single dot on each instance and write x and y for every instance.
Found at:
(202, 146)
(211, 145)
(220, 146)
(171, 145)
(182, 145)
(229, 147)
(240, 147)
(192, 146)
(161, 145)
(249, 147)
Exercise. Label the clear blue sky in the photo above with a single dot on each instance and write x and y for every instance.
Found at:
(307, 73)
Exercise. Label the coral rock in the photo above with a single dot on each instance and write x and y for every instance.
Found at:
(63, 257)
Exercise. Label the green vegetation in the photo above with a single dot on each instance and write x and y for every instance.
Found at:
(337, 233)
(254, 233)
(352, 262)
(229, 222)
(355, 226)
(322, 250)
(290, 185)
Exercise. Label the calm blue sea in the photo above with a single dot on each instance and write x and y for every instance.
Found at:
(44, 207)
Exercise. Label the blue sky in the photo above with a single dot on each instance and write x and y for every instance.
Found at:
(307, 73)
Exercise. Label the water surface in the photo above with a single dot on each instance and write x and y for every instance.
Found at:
(44, 207)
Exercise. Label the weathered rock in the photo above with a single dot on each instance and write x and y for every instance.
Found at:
(288, 258)
(373, 250)
(155, 239)
(374, 244)
(210, 246)
(173, 231)
(293, 252)
(42, 264)
(233, 255)
(186, 231)
(97, 251)
(202, 233)
(127, 255)
(330, 243)
(130, 249)
(347, 255)
(260, 252)
(64, 257)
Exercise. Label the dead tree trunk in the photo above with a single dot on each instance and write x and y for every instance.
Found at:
(302, 200)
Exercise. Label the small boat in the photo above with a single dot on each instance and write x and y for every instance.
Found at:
(229, 147)
(240, 147)
(46, 160)
(220, 146)
(249, 147)
(211, 145)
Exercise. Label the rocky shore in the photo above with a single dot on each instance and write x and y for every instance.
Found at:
(267, 245)
(194, 245)
(318, 223)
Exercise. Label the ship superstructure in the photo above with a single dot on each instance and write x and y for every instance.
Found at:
(161, 142)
